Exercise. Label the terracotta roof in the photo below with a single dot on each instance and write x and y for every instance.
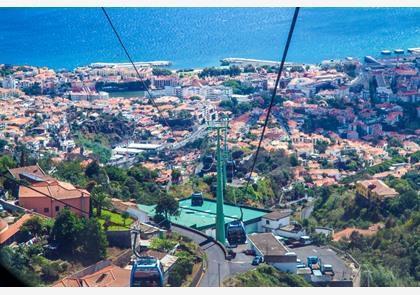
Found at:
(56, 189)
(379, 187)
(3, 225)
(34, 169)
(110, 276)
(13, 228)
(346, 233)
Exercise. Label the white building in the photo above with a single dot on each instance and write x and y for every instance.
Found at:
(273, 251)
(87, 94)
(209, 92)
(275, 220)
(9, 83)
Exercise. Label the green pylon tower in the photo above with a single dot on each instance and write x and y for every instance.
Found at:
(220, 216)
(225, 156)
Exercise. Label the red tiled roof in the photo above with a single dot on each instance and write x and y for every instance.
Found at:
(110, 276)
(13, 228)
(34, 169)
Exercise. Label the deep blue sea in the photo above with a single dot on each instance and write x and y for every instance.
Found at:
(198, 37)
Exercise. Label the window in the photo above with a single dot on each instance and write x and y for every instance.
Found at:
(46, 210)
(57, 208)
(267, 222)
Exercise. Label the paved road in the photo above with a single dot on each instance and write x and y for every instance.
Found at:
(328, 256)
(218, 268)
(201, 131)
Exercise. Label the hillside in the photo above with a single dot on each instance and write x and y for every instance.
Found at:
(266, 276)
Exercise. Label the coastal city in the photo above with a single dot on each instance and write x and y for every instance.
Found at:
(106, 163)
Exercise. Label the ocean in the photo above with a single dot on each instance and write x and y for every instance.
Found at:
(200, 37)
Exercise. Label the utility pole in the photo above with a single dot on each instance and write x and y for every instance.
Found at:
(218, 270)
(220, 216)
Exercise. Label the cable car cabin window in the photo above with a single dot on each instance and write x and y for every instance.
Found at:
(236, 233)
(197, 199)
(146, 278)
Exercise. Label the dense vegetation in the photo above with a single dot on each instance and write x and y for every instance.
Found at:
(235, 107)
(391, 257)
(266, 276)
(238, 87)
(186, 254)
(161, 72)
(122, 86)
(134, 183)
(210, 72)
(77, 240)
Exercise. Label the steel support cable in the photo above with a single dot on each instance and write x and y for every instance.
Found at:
(135, 68)
(283, 60)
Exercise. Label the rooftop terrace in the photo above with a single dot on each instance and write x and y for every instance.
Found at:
(204, 217)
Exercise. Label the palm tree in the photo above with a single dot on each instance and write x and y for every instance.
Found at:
(125, 216)
(99, 200)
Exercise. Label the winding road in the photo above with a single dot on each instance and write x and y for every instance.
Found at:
(218, 268)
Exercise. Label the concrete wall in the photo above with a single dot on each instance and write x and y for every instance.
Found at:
(252, 228)
(121, 239)
(287, 234)
(285, 266)
(325, 231)
(273, 224)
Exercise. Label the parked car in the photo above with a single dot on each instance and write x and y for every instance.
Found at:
(231, 254)
(305, 240)
(327, 269)
(250, 252)
(257, 260)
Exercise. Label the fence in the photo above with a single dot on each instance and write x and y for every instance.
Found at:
(222, 247)
(203, 266)
(356, 278)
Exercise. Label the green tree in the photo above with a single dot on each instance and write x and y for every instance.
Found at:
(35, 226)
(125, 216)
(321, 146)
(415, 157)
(5, 163)
(294, 160)
(107, 222)
(72, 172)
(167, 206)
(93, 242)
(3, 144)
(161, 72)
(175, 175)
(92, 169)
(66, 231)
(99, 200)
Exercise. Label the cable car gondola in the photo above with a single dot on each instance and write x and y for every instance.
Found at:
(197, 199)
(146, 272)
(235, 232)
